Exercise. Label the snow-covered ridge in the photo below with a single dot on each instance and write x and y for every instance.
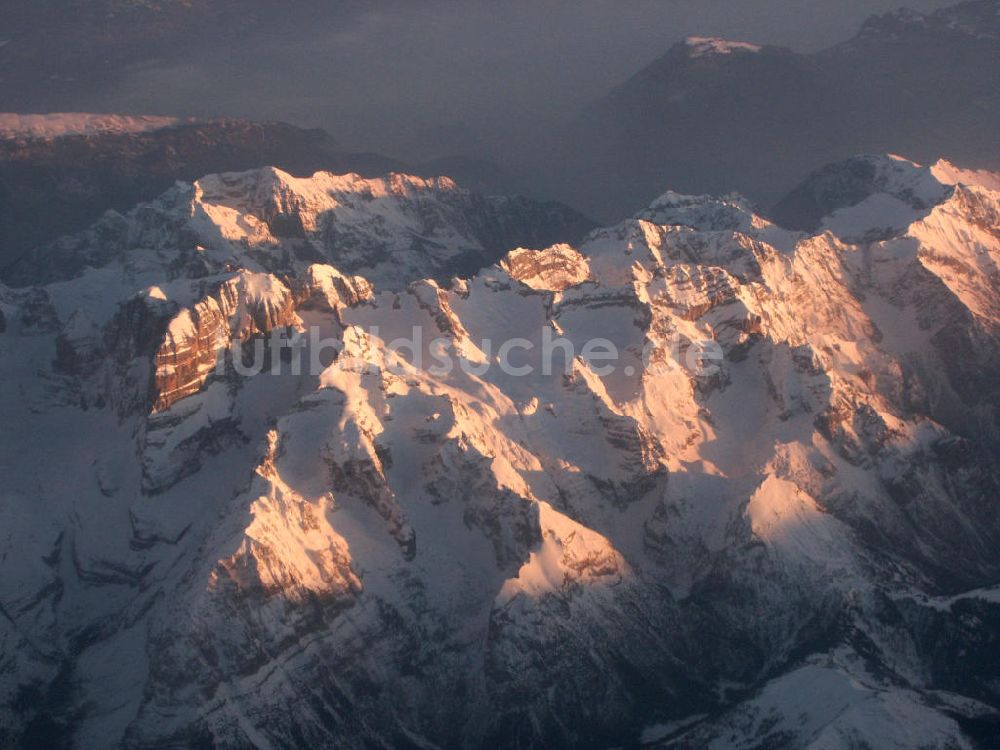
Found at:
(874, 194)
(59, 124)
(392, 229)
(464, 554)
(702, 46)
(949, 174)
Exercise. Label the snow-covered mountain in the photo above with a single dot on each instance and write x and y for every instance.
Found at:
(790, 544)
(59, 125)
(396, 229)
(875, 193)
(60, 172)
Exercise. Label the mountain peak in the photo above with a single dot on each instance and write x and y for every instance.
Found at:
(705, 212)
(874, 194)
(850, 182)
(705, 46)
(950, 174)
(395, 228)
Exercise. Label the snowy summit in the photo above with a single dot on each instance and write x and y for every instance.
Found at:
(703, 46)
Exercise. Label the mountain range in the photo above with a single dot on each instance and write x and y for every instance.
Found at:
(59, 172)
(791, 544)
(310, 447)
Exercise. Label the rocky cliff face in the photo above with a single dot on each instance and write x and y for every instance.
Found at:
(771, 522)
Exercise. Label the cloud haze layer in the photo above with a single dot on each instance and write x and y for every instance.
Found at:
(389, 75)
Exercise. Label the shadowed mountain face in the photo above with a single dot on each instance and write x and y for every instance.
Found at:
(717, 117)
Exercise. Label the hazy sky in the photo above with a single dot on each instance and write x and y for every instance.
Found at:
(394, 68)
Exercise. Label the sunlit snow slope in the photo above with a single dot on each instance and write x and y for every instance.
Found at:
(797, 548)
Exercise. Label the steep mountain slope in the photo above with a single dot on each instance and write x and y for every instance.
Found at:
(771, 523)
(710, 115)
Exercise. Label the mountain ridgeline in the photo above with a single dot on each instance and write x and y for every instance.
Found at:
(289, 459)
(795, 548)
(60, 172)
